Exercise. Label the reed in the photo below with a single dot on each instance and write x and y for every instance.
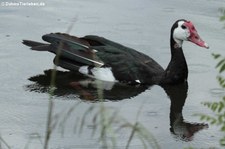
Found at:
(4, 143)
(52, 89)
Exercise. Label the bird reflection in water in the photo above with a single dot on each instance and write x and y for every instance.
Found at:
(74, 84)
(71, 83)
(179, 127)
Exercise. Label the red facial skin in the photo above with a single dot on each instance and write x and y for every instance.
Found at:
(194, 37)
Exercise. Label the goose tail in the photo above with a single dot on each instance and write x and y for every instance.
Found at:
(37, 46)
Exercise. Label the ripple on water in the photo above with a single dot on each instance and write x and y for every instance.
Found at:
(91, 20)
(198, 68)
(126, 27)
(218, 92)
(4, 56)
(168, 9)
(152, 113)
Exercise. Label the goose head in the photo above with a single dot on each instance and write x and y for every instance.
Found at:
(184, 30)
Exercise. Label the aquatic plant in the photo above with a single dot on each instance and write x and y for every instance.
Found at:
(49, 126)
(217, 107)
(222, 11)
(4, 143)
(106, 123)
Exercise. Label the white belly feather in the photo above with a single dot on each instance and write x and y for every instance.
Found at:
(104, 74)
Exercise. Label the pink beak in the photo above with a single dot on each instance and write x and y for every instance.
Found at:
(194, 37)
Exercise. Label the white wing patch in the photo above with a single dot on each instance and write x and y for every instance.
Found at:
(84, 70)
(104, 74)
(138, 81)
(95, 83)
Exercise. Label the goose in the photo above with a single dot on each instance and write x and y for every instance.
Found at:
(106, 60)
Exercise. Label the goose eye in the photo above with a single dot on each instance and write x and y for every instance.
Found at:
(183, 27)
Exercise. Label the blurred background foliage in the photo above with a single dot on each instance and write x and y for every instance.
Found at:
(218, 107)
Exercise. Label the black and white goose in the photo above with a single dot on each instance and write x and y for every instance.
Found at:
(106, 60)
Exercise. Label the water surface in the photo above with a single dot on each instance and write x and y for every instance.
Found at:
(144, 25)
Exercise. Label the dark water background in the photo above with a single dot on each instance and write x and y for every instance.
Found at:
(143, 25)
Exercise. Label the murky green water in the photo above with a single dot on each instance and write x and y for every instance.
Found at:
(145, 25)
